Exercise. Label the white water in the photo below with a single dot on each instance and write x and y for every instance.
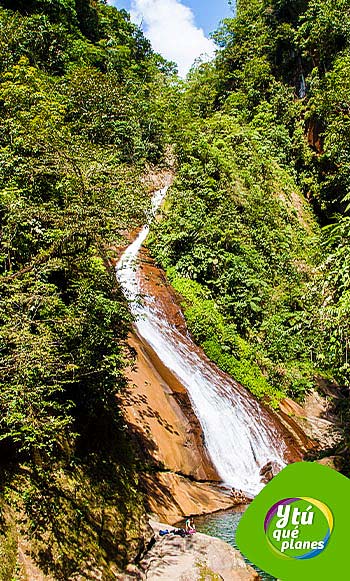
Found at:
(236, 428)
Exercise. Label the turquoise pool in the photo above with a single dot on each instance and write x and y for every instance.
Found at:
(223, 525)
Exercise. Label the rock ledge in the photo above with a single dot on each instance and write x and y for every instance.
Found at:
(190, 559)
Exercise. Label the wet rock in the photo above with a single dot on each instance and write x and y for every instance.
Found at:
(162, 422)
(268, 471)
(239, 497)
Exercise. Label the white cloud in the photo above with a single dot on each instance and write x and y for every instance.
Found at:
(171, 28)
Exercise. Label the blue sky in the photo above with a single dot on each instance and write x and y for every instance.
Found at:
(207, 13)
(178, 29)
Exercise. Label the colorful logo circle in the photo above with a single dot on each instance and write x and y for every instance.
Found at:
(299, 528)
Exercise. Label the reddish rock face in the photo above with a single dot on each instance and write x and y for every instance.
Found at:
(158, 410)
(314, 137)
(180, 476)
(154, 283)
(160, 415)
(312, 424)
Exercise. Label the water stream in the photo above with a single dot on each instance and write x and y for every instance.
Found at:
(239, 435)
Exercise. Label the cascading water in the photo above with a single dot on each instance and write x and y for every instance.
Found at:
(238, 433)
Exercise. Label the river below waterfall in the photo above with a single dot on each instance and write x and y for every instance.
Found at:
(223, 525)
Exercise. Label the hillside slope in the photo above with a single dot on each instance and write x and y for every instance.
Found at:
(80, 124)
(255, 232)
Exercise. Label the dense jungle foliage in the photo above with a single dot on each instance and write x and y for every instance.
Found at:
(255, 235)
(81, 119)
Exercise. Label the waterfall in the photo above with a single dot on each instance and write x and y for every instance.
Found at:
(238, 433)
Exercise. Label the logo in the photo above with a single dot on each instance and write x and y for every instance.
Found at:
(299, 528)
(305, 535)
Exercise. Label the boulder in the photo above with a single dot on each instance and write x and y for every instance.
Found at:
(192, 558)
(268, 471)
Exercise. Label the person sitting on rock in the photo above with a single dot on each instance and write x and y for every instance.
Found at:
(190, 527)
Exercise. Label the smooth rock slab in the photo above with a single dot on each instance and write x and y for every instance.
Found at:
(192, 558)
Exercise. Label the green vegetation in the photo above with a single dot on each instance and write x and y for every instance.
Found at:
(80, 123)
(254, 237)
(238, 226)
(8, 547)
(205, 573)
(257, 219)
